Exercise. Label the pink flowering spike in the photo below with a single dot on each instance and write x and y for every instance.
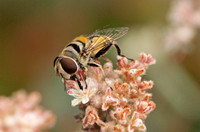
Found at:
(182, 12)
(184, 25)
(119, 96)
(25, 114)
(37, 118)
(27, 102)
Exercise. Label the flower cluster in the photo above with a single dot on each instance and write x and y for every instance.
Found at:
(21, 113)
(114, 100)
(184, 20)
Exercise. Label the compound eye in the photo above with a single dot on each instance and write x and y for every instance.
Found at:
(69, 65)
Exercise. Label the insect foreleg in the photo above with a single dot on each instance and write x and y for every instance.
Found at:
(101, 68)
(105, 58)
(97, 65)
(75, 78)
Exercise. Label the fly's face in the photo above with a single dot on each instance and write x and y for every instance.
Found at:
(65, 66)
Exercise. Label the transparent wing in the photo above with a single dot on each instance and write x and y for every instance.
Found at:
(113, 33)
(110, 34)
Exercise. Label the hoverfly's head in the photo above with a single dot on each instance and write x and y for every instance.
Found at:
(69, 65)
(64, 65)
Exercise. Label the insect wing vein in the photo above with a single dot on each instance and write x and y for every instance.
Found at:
(110, 34)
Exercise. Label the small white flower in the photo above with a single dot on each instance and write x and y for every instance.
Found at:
(83, 95)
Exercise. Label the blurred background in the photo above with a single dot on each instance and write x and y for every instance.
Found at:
(33, 33)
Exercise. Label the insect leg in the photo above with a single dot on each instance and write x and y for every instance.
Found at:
(94, 64)
(72, 78)
(97, 65)
(103, 50)
(101, 68)
(119, 52)
(105, 58)
(75, 78)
